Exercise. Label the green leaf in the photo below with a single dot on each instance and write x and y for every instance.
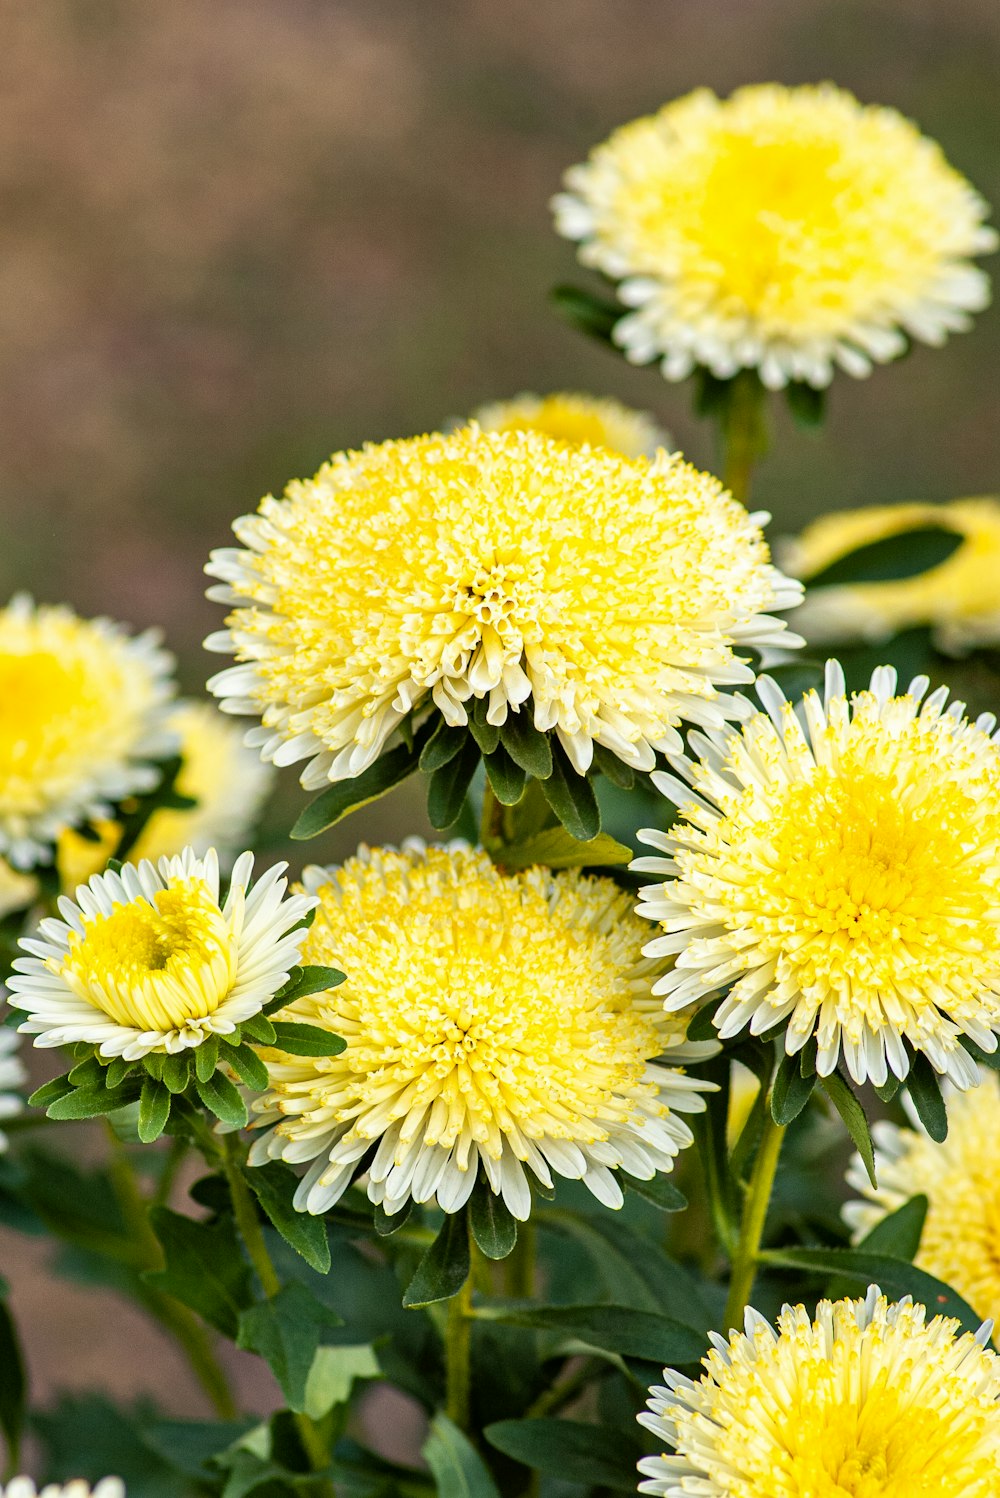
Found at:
(894, 1277)
(613, 768)
(442, 746)
(506, 778)
(302, 981)
(806, 403)
(493, 1226)
(206, 1057)
(297, 1039)
(925, 1090)
(557, 850)
(386, 1223)
(177, 1072)
(332, 1375)
(571, 797)
(258, 1029)
(248, 1066)
(791, 1090)
(13, 1385)
(204, 1267)
(286, 1331)
(486, 734)
(154, 1110)
(898, 1234)
(526, 745)
(348, 795)
(221, 1098)
(593, 1455)
(118, 1069)
(702, 1024)
(906, 554)
(853, 1116)
(620, 1329)
(274, 1185)
(50, 1092)
(449, 786)
(660, 1192)
(91, 1102)
(593, 315)
(458, 1469)
(444, 1268)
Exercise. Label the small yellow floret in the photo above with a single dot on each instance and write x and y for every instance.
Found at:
(578, 419)
(154, 965)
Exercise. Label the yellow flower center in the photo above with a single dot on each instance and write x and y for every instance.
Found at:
(154, 965)
(476, 1006)
(46, 706)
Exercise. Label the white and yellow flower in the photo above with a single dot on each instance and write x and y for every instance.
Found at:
(957, 598)
(605, 598)
(868, 1399)
(960, 1242)
(83, 711)
(494, 1022)
(839, 874)
(148, 959)
(582, 420)
(788, 230)
(12, 1076)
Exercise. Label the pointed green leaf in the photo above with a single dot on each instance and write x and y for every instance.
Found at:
(894, 1277)
(613, 768)
(899, 1233)
(286, 1332)
(506, 778)
(444, 1268)
(571, 797)
(50, 1092)
(791, 1090)
(154, 1110)
(620, 1329)
(204, 1267)
(302, 981)
(893, 557)
(221, 1098)
(333, 1374)
(527, 745)
(345, 796)
(92, 1102)
(593, 315)
(555, 849)
(206, 1057)
(493, 1226)
(248, 1067)
(458, 1469)
(806, 403)
(601, 1456)
(259, 1029)
(924, 1088)
(177, 1072)
(274, 1186)
(660, 1192)
(306, 1040)
(486, 734)
(442, 746)
(853, 1116)
(449, 786)
(386, 1224)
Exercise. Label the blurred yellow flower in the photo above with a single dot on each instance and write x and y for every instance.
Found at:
(959, 598)
(790, 230)
(17, 890)
(578, 419)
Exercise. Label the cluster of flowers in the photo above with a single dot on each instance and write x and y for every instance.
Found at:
(548, 591)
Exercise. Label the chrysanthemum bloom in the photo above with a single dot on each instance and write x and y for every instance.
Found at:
(603, 597)
(579, 419)
(869, 1400)
(226, 781)
(789, 230)
(82, 710)
(24, 1487)
(12, 1076)
(149, 960)
(842, 876)
(957, 598)
(501, 1021)
(960, 1242)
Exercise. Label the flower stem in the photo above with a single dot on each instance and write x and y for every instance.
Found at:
(458, 1349)
(519, 1266)
(755, 1207)
(248, 1224)
(744, 432)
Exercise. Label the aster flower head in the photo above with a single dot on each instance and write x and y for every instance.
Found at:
(595, 597)
(150, 960)
(789, 230)
(24, 1487)
(578, 419)
(960, 1240)
(837, 873)
(83, 715)
(495, 1023)
(12, 1076)
(868, 1398)
(957, 597)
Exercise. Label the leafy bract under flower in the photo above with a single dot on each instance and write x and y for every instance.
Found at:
(786, 229)
(868, 1399)
(960, 1242)
(82, 712)
(494, 1021)
(839, 873)
(957, 598)
(578, 419)
(600, 596)
(148, 960)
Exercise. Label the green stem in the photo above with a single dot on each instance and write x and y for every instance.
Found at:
(493, 823)
(458, 1348)
(755, 1207)
(744, 432)
(550, 1401)
(248, 1224)
(519, 1266)
(176, 1320)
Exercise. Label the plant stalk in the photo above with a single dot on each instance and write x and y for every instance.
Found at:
(519, 1266)
(744, 433)
(754, 1216)
(458, 1349)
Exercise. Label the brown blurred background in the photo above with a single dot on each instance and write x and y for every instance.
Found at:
(239, 234)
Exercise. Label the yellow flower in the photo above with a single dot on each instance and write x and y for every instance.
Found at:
(491, 1020)
(148, 959)
(868, 1400)
(960, 1243)
(77, 857)
(579, 419)
(82, 709)
(17, 890)
(958, 597)
(841, 874)
(785, 229)
(602, 596)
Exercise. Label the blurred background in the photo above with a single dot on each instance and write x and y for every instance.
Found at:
(240, 234)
